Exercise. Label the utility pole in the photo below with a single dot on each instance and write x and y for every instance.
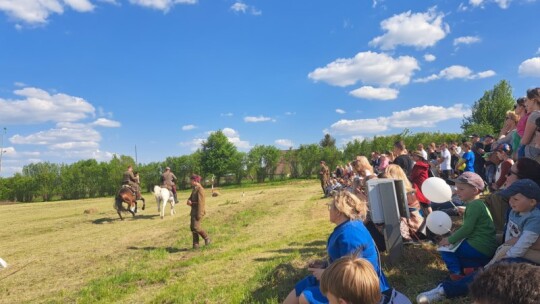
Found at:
(2, 147)
(136, 162)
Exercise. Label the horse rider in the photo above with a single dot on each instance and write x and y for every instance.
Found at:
(132, 181)
(168, 180)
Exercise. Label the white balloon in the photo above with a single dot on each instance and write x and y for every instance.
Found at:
(439, 222)
(437, 190)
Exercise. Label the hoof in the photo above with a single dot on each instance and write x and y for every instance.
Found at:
(142, 207)
(161, 217)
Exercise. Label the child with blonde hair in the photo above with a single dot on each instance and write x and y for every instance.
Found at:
(351, 280)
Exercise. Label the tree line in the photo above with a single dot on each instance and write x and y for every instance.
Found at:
(219, 161)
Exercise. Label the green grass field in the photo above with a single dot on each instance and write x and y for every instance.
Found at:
(262, 242)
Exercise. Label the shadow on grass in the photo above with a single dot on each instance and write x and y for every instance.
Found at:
(307, 249)
(168, 249)
(275, 282)
(108, 220)
(105, 220)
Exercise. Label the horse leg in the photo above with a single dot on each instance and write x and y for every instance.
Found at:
(143, 203)
(162, 211)
(173, 212)
(120, 215)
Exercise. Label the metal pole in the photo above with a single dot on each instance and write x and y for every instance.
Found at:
(136, 162)
(2, 147)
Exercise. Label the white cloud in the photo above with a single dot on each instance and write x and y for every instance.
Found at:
(226, 114)
(369, 92)
(466, 40)
(37, 11)
(188, 127)
(420, 30)
(369, 125)
(424, 116)
(240, 7)
(234, 138)
(368, 68)
(38, 106)
(476, 2)
(457, 72)
(59, 135)
(429, 57)
(538, 51)
(75, 145)
(290, 113)
(257, 119)
(287, 143)
(530, 67)
(340, 111)
(162, 5)
(504, 4)
(80, 5)
(194, 144)
(104, 122)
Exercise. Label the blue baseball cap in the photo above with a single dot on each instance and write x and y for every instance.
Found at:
(526, 186)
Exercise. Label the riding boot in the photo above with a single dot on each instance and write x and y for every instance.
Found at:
(195, 240)
(206, 238)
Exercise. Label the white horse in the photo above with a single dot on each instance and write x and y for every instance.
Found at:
(162, 197)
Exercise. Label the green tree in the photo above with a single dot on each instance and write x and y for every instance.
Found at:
(46, 178)
(328, 141)
(490, 110)
(332, 156)
(239, 166)
(309, 157)
(217, 155)
(291, 157)
(264, 160)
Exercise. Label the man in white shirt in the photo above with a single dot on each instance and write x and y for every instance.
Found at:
(421, 149)
(444, 162)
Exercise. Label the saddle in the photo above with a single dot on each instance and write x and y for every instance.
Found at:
(128, 187)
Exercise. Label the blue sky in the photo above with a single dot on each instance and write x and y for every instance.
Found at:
(86, 79)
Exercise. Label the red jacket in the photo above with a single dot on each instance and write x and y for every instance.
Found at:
(419, 174)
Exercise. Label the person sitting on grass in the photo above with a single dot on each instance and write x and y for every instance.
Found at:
(507, 283)
(477, 234)
(347, 211)
(351, 280)
(522, 245)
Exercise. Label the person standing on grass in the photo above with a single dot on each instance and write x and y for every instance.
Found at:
(477, 234)
(196, 201)
(324, 176)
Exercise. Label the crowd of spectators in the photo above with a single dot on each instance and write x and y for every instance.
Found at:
(495, 177)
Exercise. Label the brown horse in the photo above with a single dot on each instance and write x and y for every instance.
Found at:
(126, 195)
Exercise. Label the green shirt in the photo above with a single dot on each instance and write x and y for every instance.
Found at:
(477, 228)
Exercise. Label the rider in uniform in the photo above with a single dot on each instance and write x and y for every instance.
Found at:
(132, 181)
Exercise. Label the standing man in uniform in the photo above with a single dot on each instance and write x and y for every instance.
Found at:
(130, 179)
(324, 175)
(196, 201)
(168, 180)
